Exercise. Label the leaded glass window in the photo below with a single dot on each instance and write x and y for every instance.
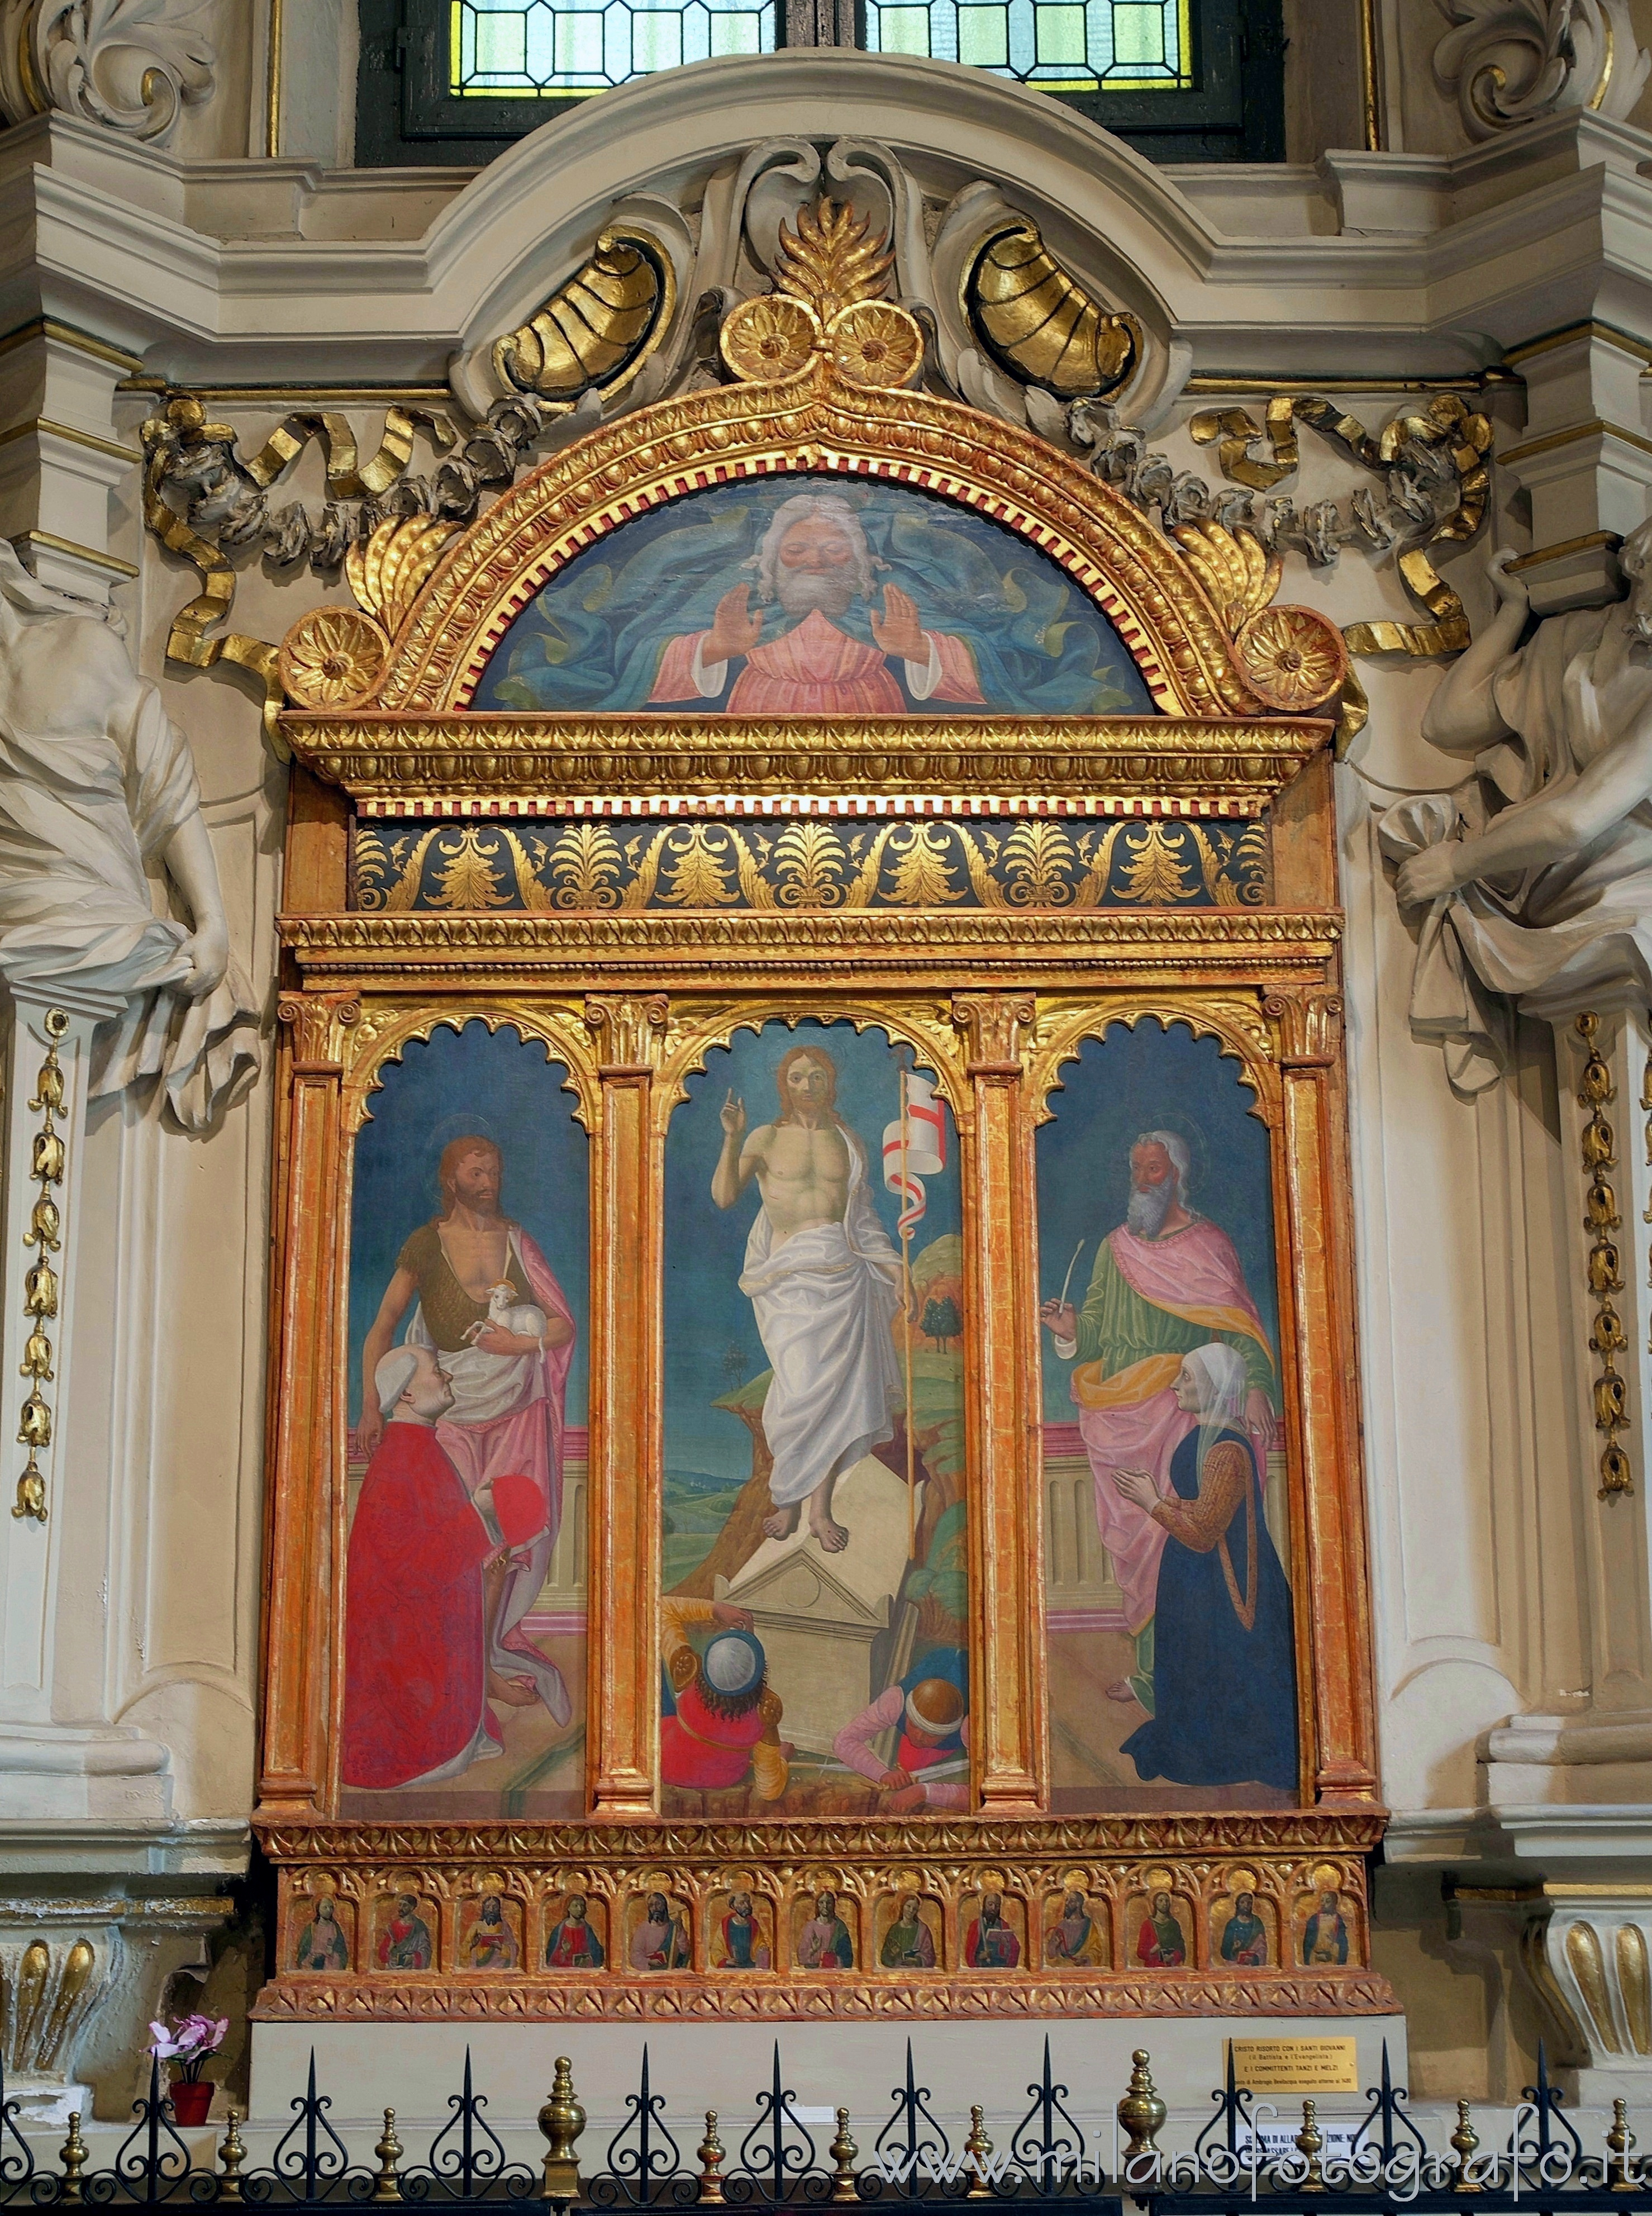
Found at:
(541, 49)
(1180, 80)
(1061, 46)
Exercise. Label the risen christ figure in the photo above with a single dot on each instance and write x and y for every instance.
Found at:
(813, 560)
(824, 1279)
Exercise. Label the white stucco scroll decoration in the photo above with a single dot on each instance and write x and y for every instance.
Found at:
(96, 785)
(132, 64)
(1533, 880)
(1512, 60)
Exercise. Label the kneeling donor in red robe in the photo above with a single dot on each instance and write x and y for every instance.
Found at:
(417, 1591)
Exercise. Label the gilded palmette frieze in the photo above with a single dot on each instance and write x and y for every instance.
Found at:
(808, 866)
(443, 764)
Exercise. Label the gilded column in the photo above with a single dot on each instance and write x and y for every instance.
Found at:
(1308, 1028)
(304, 1482)
(624, 1477)
(1000, 1289)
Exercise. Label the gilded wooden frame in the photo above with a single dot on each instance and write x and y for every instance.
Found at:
(996, 1003)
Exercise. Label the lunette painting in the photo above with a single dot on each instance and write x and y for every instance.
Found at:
(814, 1619)
(1168, 1606)
(465, 1618)
(813, 595)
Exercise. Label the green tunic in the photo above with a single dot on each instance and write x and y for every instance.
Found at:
(1117, 1328)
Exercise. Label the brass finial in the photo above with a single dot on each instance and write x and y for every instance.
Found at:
(1311, 2145)
(387, 2186)
(979, 2149)
(561, 2120)
(1463, 2141)
(230, 2155)
(1620, 2142)
(73, 2155)
(843, 2151)
(710, 2152)
(1141, 2112)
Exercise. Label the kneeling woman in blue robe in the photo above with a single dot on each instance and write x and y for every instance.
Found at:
(1223, 1660)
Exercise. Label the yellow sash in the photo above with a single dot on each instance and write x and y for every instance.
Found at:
(1154, 1374)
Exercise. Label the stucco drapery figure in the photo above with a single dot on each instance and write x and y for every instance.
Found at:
(96, 782)
(1534, 876)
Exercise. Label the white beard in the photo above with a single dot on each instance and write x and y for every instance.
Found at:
(1149, 1206)
(801, 591)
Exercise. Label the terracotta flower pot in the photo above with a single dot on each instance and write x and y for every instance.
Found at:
(191, 2100)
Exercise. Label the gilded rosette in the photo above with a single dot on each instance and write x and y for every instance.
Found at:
(332, 658)
(1293, 657)
(768, 339)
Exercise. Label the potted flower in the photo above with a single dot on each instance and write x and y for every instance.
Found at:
(188, 2043)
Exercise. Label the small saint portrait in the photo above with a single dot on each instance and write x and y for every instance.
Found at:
(912, 1939)
(572, 1941)
(490, 1940)
(1161, 1942)
(825, 1939)
(991, 1932)
(404, 1940)
(1324, 1935)
(1241, 1934)
(1077, 1938)
(322, 1941)
(660, 1937)
(741, 1933)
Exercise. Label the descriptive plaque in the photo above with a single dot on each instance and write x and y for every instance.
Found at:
(1296, 2065)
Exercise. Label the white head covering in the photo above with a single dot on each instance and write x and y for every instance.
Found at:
(732, 1663)
(1220, 1373)
(393, 1377)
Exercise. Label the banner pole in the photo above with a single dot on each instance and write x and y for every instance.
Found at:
(906, 1327)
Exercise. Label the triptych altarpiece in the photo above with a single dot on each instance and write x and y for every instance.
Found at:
(815, 1454)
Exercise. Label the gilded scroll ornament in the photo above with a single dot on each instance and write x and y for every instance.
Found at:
(597, 330)
(1040, 325)
(1607, 1338)
(40, 1282)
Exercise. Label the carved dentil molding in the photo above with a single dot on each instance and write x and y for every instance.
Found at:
(1510, 61)
(132, 64)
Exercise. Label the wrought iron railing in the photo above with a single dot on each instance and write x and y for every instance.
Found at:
(1239, 2161)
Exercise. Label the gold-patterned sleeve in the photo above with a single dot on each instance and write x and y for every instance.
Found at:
(676, 1614)
(1200, 1524)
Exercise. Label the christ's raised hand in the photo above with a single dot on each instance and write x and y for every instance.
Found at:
(898, 630)
(734, 629)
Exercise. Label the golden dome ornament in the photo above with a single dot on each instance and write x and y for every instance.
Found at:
(332, 658)
(1293, 658)
(877, 344)
(769, 339)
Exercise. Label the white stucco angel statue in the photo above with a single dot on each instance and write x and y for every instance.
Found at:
(1535, 875)
(95, 784)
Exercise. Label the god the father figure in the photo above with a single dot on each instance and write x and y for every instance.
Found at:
(824, 1279)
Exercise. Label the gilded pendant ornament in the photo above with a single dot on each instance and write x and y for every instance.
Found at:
(41, 1283)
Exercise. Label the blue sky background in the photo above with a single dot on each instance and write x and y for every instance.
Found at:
(711, 1337)
(503, 1087)
(1138, 1080)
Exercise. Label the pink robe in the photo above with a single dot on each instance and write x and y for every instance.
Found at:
(1194, 1274)
(527, 1439)
(815, 669)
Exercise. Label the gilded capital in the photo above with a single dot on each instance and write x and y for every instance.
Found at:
(630, 1029)
(993, 1024)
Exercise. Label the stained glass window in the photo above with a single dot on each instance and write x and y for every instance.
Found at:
(1061, 46)
(562, 48)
